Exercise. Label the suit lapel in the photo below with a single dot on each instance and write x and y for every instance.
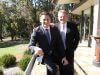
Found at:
(44, 35)
(68, 28)
(42, 30)
(51, 33)
(68, 33)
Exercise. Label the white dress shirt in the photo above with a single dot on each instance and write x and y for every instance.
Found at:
(63, 30)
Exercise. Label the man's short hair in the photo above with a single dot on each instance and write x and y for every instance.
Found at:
(63, 11)
(45, 13)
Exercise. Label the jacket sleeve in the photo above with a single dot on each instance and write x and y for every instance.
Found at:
(76, 37)
(33, 40)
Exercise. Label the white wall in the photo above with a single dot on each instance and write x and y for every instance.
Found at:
(96, 22)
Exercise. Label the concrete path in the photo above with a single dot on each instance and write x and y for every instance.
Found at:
(13, 71)
(84, 57)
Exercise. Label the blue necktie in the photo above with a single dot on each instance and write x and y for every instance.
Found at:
(47, 35)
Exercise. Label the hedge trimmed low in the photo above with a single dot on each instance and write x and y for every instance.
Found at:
(0, 62)
(24, 62)
(8, 60)
(1, 72)
(27, 52)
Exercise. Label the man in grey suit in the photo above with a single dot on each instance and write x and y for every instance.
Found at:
(46, 41)
(70, 38)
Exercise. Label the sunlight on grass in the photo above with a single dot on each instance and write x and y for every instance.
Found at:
(15, 50)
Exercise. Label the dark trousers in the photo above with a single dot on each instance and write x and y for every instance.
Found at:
(51, 66)
(66, 70)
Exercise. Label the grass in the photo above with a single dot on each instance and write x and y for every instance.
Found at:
(15, 50)
(13, 47)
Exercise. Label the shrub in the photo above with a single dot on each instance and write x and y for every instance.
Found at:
(18, 73)
(0, 62)
(1, 72)
(24, 62)
(8, 60)
(27, 52)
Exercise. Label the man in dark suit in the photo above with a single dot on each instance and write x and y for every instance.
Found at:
(70, 38)
(46, 41)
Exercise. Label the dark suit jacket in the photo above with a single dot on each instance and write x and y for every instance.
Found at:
(39, 38)
(72, 40)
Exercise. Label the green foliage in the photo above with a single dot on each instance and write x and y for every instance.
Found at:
(0, 62)
(18, 73)
(8, 60)
(2, 25)
(27, 52)
(24, 62)
(13, 47)
(10, 12)
(1, 72)
(44, 5)
(22, 28)
(62, 6)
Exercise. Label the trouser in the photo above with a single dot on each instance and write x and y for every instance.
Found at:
(51, 66)
(66, 70)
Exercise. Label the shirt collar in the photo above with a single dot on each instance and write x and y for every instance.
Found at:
(63, 24)
(46, 28)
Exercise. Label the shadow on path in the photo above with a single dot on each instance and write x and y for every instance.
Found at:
(12, 43)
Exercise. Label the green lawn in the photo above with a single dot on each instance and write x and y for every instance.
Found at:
(15, 48)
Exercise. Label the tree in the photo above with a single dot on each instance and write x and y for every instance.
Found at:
(17, 16)
(2, 20)
(15, 11)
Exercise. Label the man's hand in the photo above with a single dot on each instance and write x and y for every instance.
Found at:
(64, 61)
(39, 52)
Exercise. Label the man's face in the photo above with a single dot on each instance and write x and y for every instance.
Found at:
(62, 17)
(45, 20)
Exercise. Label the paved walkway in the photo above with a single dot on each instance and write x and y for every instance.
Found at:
(84, 57)
(12, 71)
